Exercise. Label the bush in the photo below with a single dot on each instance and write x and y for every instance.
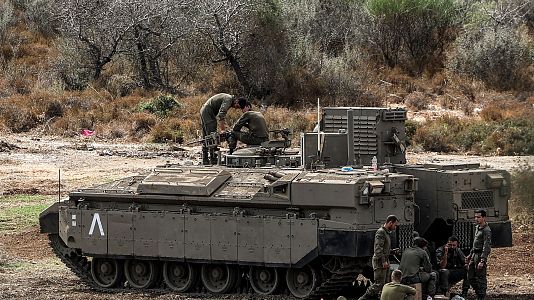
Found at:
(512, 136)
(142, 123)
(70, 67)
(53, 109)
(523, 186)
(411, 34)
(416, 101)
(167, 131)
(6, 18)
(161, 106)
(41, 17)
(19, 120)
(497, 57)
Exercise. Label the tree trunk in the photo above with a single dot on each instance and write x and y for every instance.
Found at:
(142, 60)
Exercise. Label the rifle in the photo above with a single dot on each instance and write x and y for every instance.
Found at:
(212, 140)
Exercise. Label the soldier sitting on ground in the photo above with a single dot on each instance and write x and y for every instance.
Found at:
(416, 268)
(394, 290)
(254, 122)
(452, 268)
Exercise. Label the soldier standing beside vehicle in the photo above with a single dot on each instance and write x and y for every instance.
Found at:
(478, 258)
(213, 112)
(380, 261)
(254, 122)
(452, 268)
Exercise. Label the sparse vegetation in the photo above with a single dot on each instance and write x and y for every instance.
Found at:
(522, 201)
(129, 77)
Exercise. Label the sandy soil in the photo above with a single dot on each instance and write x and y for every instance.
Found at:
(30, 165)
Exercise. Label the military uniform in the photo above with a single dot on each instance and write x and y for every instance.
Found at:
(480, 252)
(257, 130)
(454, 271)
(382, 249)
(416, 268)
(396, 291)
(214, 110)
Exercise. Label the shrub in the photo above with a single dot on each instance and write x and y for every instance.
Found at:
(411, 34)
(53, 109)
(161, 105)
(120, 85)
(19, 120)
(416, 101)
(523, 186)
(142, 123)
(167, 131)
(41, 17)
(497, 57)
(6, 18)
(70, 67)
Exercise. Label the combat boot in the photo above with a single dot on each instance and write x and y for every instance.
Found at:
(205, 157)
(213, 156)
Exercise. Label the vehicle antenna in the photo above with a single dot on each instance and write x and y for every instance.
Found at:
(59, 186)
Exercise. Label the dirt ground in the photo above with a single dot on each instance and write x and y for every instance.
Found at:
(31, 165)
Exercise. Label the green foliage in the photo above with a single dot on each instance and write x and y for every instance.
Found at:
(513, 136)
(393, 8)
(497, 57)
(160, 106)
(409, 33)
(21, 217)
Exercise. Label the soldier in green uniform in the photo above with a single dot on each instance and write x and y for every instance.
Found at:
(416, 267)
(255, 123)
(478, 257)
(394, 290)
(213, 112)
(451, 262)
(380, 260)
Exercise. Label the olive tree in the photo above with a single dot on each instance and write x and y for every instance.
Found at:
(98, 26)
(227, 24)
(157, 26)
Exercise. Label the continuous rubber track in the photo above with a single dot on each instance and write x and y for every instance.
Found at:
(339, 281)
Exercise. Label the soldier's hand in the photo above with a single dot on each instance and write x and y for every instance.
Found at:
(385, 265)
(480, 265)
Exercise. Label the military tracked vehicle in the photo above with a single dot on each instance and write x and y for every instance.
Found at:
(220, 230)
(264, 221)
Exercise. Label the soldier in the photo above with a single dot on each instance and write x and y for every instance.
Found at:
(394, 290)
(213, 112)
(416, 268)
(478, 257)
(380, 261)
(254, 122)
(451, 262)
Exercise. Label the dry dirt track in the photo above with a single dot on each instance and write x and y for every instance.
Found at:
(32, 272)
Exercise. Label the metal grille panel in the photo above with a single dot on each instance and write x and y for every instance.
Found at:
(405, 235)
(464, 231)
(477, 199)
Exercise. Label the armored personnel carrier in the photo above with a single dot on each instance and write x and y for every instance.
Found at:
(222, 230)
(267, 220)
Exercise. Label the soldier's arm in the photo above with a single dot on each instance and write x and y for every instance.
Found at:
(408, 290)
(225, 106)
(243, 120)
(486, 249)
(380, 240)
(427, 266)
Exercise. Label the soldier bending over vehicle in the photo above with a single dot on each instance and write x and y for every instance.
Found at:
(254, 122)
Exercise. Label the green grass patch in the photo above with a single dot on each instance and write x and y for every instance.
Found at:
(20, 212)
